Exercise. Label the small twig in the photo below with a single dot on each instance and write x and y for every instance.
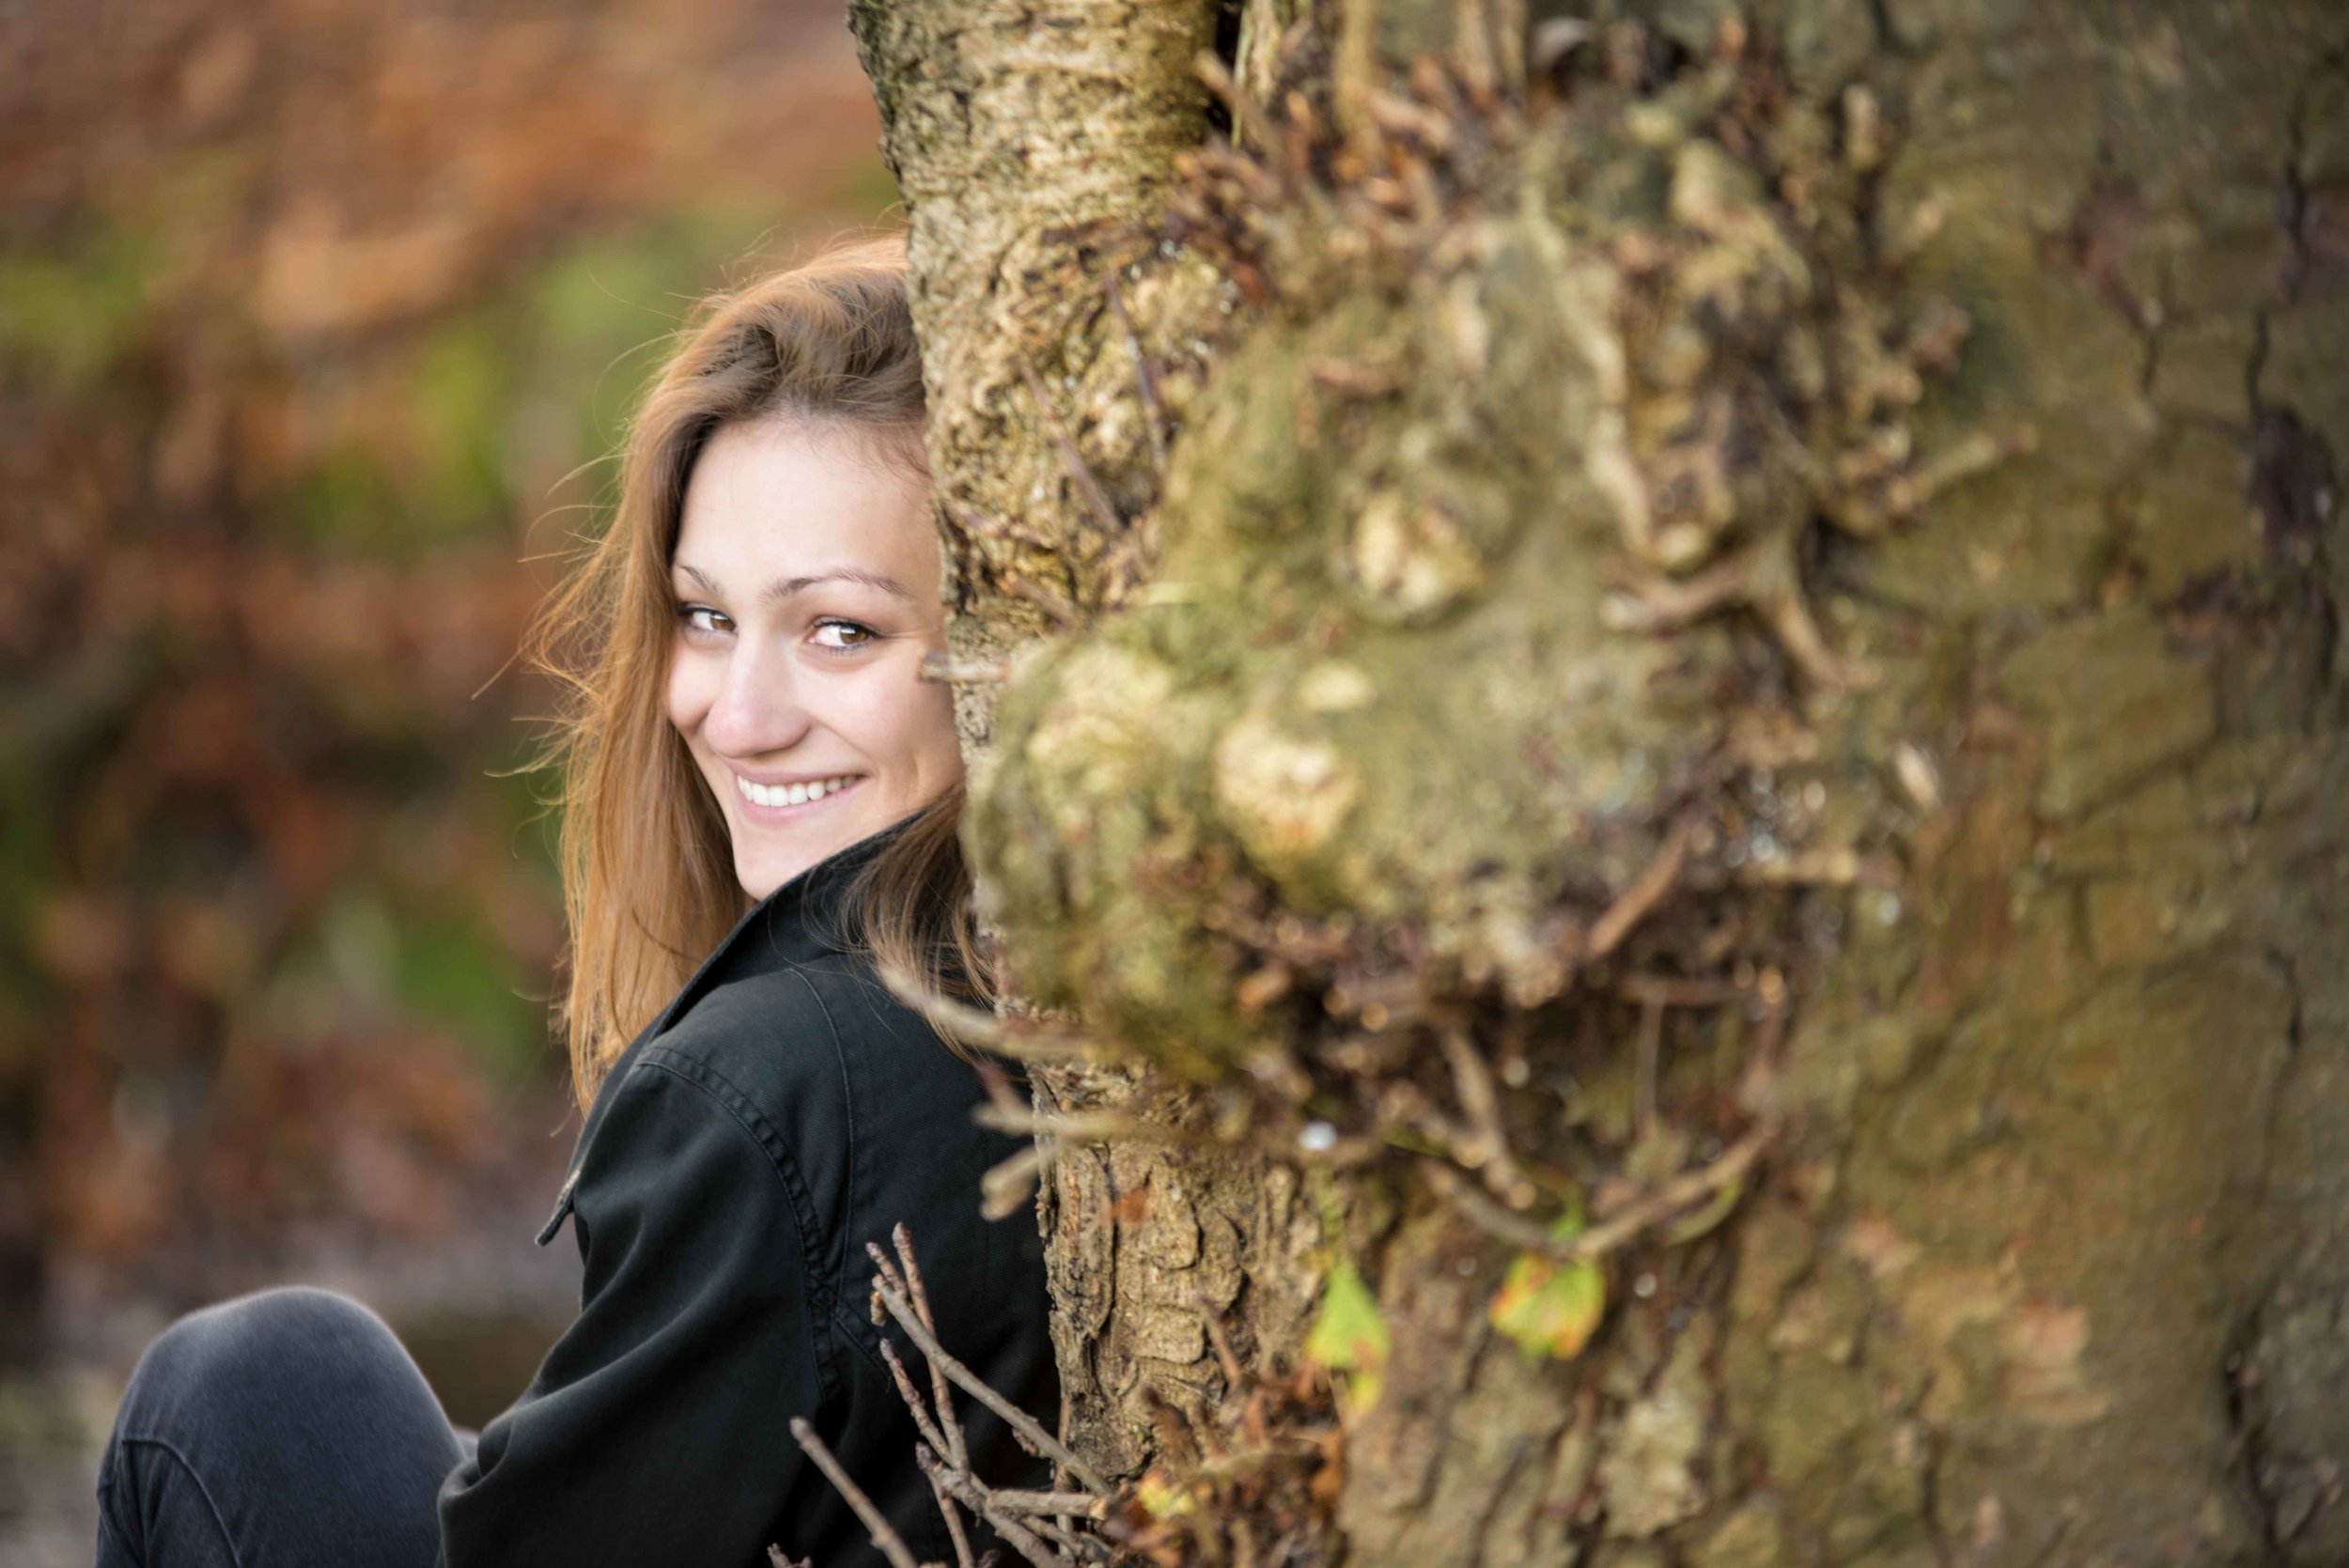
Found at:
(884, 1538)
(1015, 1038)
(1082, 1505)
(1636, 902)
(1073, 1546)
(998, 1085)
(1079, 470)
(1673, 991)
(915, 1404)
(1007, 1184)
(918, 1293)
(1247, 114)
(1667, 1199)
(973, 1026)
(1977, 454)
(1064, 613)
(1083, 1127)
(1154, 420)
(1017, 1535)
(1398, 116)
(1827, 868)
(953, 1517)
(1651, 1208)
(1763, 578)
(1482, 1102)
(1400, 1102)
(1037, 1440)
(1212, 1320)
(1368, 381)
(946, 670)
(1479, 1206)
(1644, 1066)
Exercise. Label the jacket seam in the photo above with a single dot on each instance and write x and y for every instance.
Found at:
(822, 1285)
(848, 1100)
(649, 1036)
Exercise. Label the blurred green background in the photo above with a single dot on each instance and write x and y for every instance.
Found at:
(319, 320)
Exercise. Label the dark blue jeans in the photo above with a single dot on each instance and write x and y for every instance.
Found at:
(283, 1428)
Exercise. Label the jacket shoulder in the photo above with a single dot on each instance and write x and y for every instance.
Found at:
(762, 1051)
(770, 1034)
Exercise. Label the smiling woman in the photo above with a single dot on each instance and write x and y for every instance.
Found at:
(800, 697)
(773, 494)
(761, 798)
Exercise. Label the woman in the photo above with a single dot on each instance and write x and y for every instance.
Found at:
(755, 771)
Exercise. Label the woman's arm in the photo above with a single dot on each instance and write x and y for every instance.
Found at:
(657, 1431)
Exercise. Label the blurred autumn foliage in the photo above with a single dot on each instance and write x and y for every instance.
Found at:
(316, 316)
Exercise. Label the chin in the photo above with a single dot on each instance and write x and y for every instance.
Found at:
(762, 873)
(765, 874)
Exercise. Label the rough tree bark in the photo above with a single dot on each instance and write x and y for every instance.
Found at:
(1674, 675)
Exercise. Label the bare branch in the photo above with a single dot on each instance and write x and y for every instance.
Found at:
(1478, 1205)
(1008, 1185)
(1082, 1505)
(1247, 116)
(912, 1396)
(1147, 388)
(1835, 867)
(954, 1521)
(946, 670)
(1473, 1082)
(1644, 1067)
(1083, 1127)
(1018, 1039)
(1033, 1437)
(1664, 1202)
(919, 1294)
(1015, 1534)
(1668, 1199)
(1673, 991)
(1212, 1320)
(1647, 890)
(1079, 470)
(890, 1544)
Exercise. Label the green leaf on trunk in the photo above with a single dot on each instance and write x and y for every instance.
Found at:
(1550, 1307)
(1349, 1335)
(1160, 1496)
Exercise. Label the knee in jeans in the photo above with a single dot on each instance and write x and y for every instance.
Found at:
(226, 1350)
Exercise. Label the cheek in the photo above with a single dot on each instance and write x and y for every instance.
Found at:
(687, 696)
(922, 731)
(905, 722)
(945, 743)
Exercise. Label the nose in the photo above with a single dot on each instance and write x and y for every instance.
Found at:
(758, 708)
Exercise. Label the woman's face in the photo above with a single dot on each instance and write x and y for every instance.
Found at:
(806, 582)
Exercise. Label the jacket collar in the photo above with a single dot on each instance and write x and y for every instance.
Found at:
(804, 917)
(798, 921)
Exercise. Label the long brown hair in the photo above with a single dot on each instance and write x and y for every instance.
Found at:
(649, 885)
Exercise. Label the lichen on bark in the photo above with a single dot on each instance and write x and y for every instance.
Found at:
(1602, 687)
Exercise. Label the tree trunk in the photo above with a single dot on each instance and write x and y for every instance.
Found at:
(1674, 693)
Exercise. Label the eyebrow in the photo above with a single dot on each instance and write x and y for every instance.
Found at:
(783, 588)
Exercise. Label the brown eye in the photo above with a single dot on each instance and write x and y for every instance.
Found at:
(842, 636)
(691, 616)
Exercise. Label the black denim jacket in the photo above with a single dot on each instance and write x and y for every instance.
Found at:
(782, 1111)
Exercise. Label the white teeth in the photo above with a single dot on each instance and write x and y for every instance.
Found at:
(789, 795)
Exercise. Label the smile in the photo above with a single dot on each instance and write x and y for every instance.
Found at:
(780, 796)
